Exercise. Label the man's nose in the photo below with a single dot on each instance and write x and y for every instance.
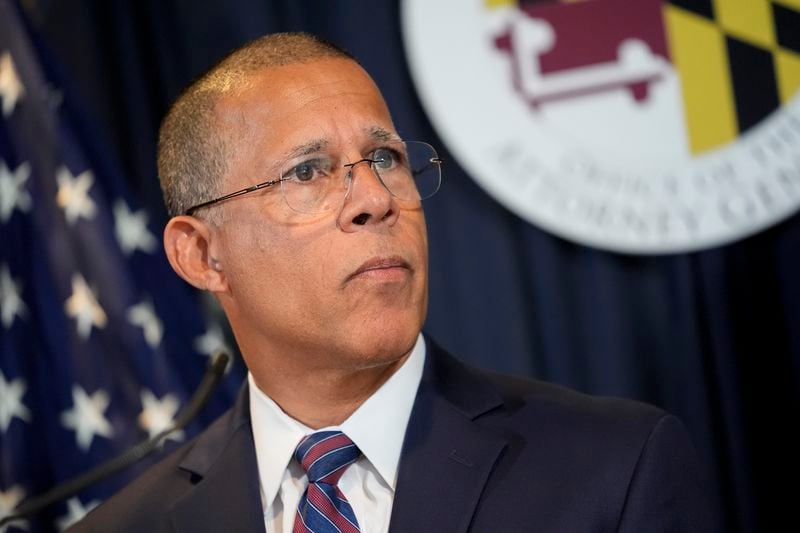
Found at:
(367, 201)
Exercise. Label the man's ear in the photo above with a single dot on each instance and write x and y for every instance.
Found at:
(189, 248)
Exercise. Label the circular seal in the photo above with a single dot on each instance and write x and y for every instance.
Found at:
(640, 127)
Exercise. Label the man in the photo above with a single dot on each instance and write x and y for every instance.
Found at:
(295, 203)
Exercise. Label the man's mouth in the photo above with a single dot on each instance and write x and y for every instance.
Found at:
(382, 269)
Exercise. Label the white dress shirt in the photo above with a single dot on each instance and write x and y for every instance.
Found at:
(377, 427)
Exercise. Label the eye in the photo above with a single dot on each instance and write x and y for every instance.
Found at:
(385, 158)
(307, 170)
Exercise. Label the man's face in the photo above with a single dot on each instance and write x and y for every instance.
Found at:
(343, 289)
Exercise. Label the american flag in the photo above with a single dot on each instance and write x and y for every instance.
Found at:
(100, 343)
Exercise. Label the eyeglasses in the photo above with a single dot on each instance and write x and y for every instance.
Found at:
(409, 170)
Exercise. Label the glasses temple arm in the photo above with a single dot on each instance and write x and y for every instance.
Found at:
(252, 188)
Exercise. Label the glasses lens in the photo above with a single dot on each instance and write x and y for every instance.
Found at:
(311, 186)
(410, 170)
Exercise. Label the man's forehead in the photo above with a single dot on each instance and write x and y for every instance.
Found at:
(290, 111)
(301, 80)
(275, 93)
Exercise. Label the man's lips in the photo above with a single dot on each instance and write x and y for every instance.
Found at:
(381, 267)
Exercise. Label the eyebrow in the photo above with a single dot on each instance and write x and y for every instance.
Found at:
(310, 147)
(376, 133)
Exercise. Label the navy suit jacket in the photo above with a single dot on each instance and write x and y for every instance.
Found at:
(482, 453)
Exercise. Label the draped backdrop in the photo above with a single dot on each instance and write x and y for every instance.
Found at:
(712, 336)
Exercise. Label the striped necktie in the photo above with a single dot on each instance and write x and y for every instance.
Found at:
(325, 455)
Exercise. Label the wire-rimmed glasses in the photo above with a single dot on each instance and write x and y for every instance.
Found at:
(409, 170)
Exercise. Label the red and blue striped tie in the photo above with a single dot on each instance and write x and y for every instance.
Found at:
(325, 455)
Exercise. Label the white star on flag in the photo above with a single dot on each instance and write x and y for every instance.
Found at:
(144, 316)
(212, 341)
(11, 393)
(75, 512)
(12, 193)
(11, 89)
(73, 194)
(9, 499)
(158, 415)
(131, 229)
(11, 305)
(83, 307)
(87, 416)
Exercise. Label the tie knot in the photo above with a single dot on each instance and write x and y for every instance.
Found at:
(325, 455)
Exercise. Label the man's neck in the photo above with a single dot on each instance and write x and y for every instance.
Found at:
(321, 397)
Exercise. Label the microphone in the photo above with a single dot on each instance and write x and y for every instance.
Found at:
(214, 371)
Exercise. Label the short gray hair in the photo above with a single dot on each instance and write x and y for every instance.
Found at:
(192, 152)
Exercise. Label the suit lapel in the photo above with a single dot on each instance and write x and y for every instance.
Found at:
(447, 457)
(222, 465)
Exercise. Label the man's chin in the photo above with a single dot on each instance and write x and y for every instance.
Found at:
(384, 347)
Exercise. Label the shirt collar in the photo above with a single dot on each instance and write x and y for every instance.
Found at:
(275, 435)
(377, 427)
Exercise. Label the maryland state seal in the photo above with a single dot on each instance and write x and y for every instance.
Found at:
(640, 127)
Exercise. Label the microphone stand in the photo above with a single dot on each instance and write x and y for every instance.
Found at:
(214, 372)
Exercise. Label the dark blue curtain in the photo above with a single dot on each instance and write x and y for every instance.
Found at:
(713, 336)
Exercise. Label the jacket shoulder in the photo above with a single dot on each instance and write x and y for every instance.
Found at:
(549, 401)
(137, 505)
(629, 465)
(143, 505)
(533, 405)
